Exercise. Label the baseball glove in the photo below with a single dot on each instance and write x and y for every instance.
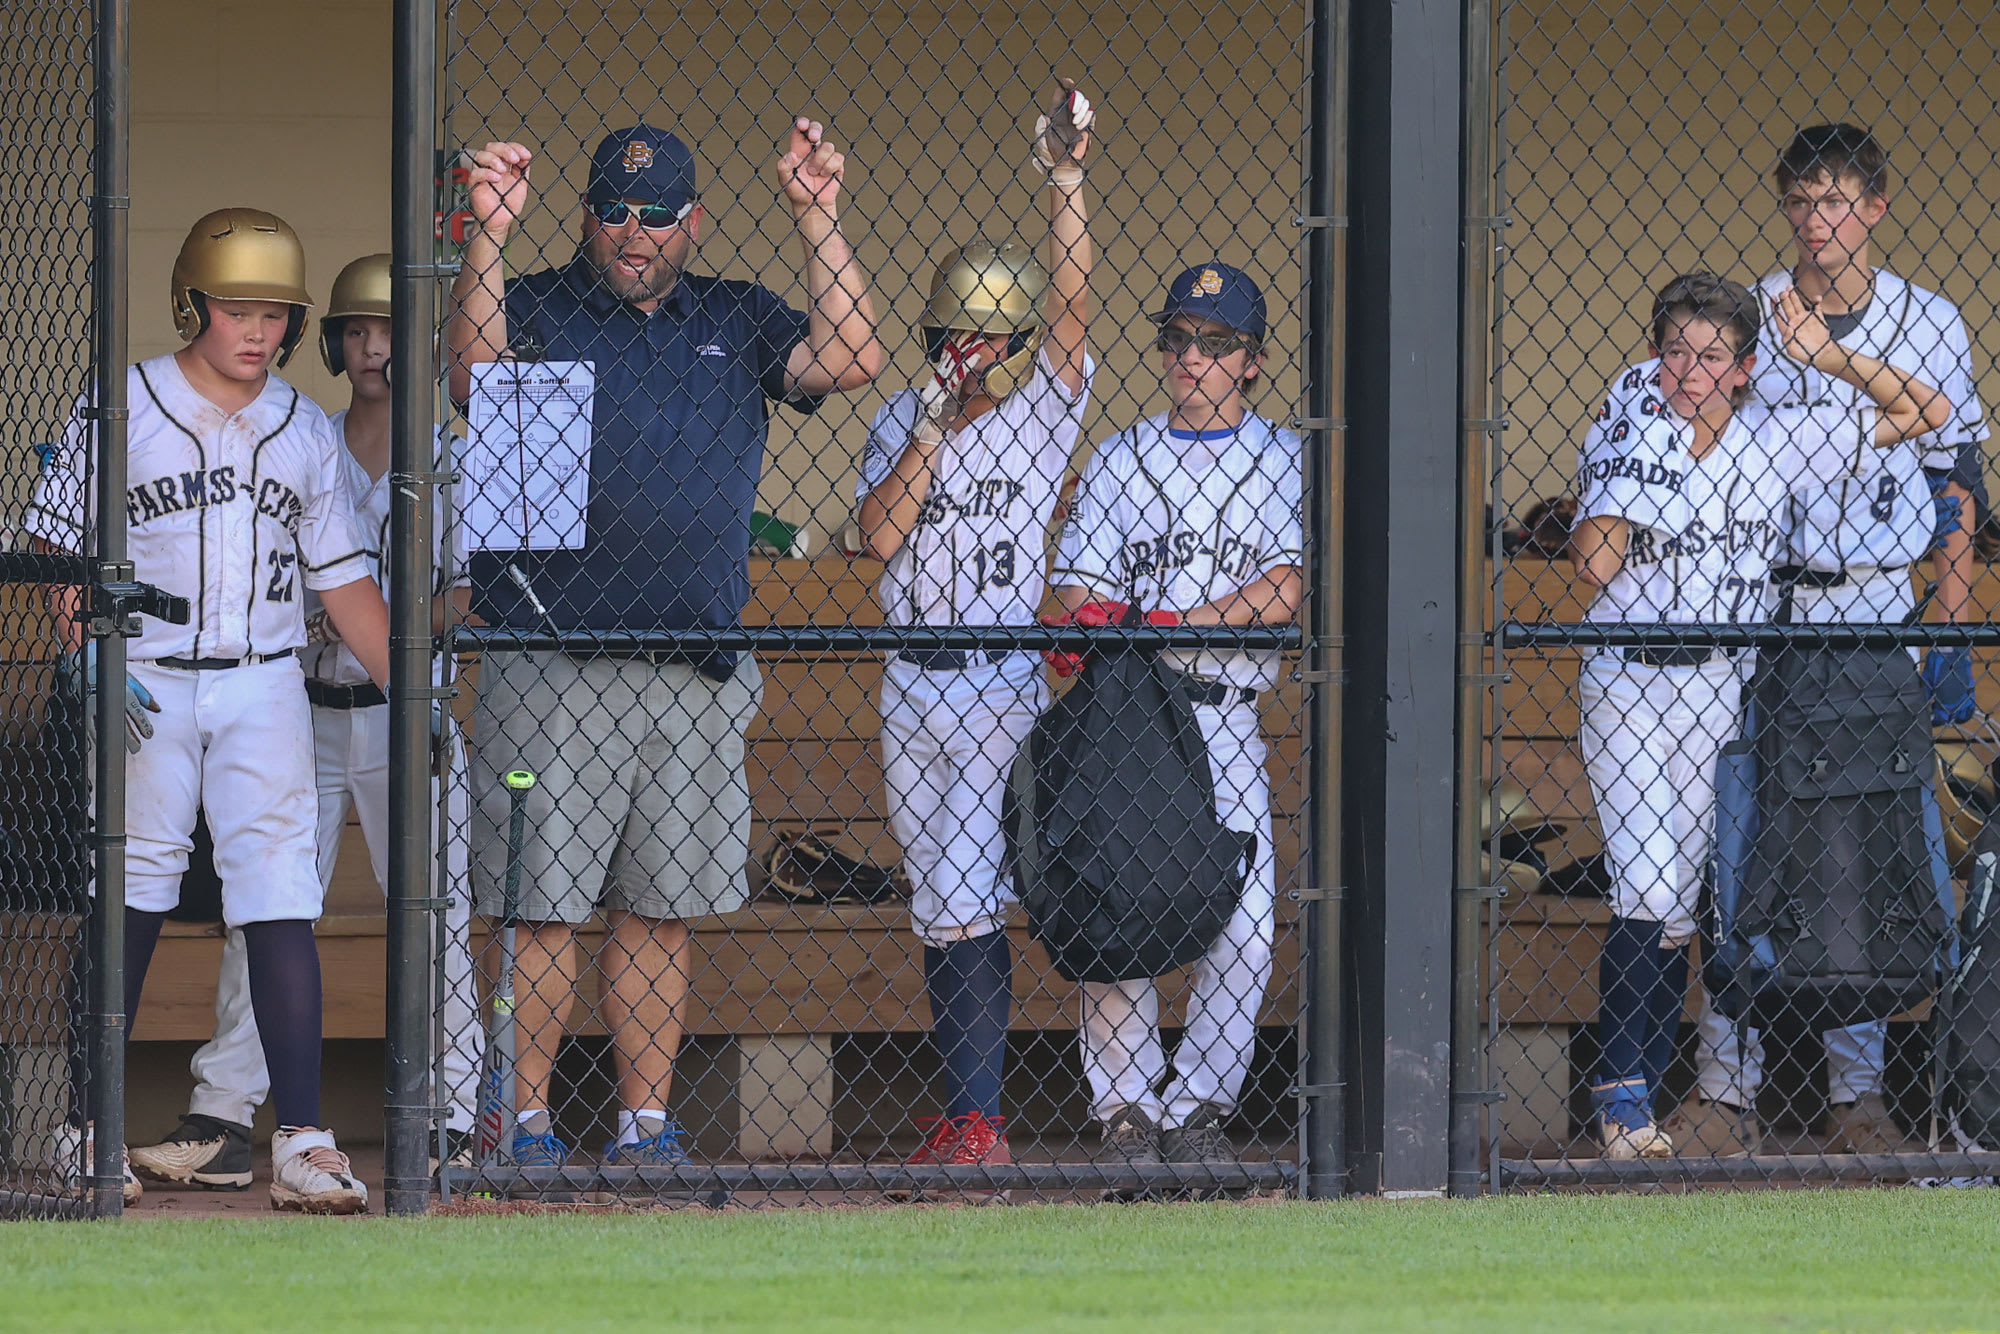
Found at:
(805, 868)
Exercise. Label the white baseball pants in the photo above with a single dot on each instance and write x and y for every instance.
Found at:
(949, 740)
(1650, 739)
(236, 743)
(1122, 1055)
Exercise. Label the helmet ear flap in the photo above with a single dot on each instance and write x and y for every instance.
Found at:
(332, 334)
(295, 332)
(193, 320)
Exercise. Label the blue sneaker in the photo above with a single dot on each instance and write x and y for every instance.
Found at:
(543, 1150)
(662, 1150)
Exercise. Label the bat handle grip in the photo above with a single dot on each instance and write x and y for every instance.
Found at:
(517, 823)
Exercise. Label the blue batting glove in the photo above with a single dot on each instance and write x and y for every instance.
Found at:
(80, 676)
(1947, 674)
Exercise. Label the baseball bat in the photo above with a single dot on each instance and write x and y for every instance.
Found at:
(496, 1121)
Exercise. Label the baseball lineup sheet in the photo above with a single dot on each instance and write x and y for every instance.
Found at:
(528, 465)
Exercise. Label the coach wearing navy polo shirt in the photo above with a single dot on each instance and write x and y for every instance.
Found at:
(641, 808)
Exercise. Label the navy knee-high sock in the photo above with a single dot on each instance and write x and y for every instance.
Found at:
(1663, 1018)
(142, 934)
(971, 986)
(285, 997)
(1628, 975)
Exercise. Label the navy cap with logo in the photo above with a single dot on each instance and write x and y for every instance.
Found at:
(1219, 292)
(643, 164)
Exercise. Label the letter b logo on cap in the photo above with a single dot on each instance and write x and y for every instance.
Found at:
(1209, 284)
(638, 156)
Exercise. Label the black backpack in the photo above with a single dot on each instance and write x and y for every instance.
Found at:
(1125, 870)
(1839, 920)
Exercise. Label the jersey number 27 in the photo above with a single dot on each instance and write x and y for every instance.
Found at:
(283, 576)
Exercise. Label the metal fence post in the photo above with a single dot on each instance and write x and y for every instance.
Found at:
(407, 1105)
(1323, 1148)
(1470, 1094)
(110, 216)
(1400, 596)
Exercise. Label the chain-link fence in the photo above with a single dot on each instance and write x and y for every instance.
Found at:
(1744, 755)
(813, 377)
(60, 1030)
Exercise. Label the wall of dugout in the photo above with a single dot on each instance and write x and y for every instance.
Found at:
(1460, 219)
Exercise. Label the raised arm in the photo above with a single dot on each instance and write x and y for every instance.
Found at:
(1910, 407)
(477, 331)
(841, 350)
(1062, 142)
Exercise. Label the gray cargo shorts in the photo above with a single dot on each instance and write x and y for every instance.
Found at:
(640, 801)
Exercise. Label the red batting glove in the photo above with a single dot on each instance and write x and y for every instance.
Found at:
(1163, 619)
(1064, 663)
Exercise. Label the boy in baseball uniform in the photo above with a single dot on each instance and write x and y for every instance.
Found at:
(1681, 510)
(958, 483)
(1194, 515)
(350, 718)
(1848, 551)
(237, 502)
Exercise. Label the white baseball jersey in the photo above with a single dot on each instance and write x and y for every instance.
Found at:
(1175, 519)
(233, 511)
(1877, 511)
(1916, 331)
(975, 555)
(336, 662)
(1704, 532)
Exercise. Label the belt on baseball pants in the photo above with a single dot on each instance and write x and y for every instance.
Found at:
(220, 664)
(1798, 576)
(327, 695)
(950, 659)
(1668, 655)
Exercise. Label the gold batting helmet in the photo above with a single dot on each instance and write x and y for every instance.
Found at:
(1967, 798)
(240, 254)
(986, 288)
(361, 289)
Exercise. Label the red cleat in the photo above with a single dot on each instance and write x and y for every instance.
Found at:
(963, 1141)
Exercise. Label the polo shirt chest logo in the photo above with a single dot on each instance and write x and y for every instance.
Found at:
(710, 350)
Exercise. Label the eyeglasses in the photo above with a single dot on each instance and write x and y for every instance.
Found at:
(653, 217)
(1212, 345)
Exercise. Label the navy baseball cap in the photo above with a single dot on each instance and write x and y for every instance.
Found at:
(1219, 292)
(641, 163)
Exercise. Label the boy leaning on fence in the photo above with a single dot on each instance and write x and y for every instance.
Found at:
(1847, 554)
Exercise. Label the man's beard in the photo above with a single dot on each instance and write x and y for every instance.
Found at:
(650, 284)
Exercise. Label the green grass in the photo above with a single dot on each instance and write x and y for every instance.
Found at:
(1891, 1259)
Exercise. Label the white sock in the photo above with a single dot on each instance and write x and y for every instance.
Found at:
(539, 1127)
(630, 1131)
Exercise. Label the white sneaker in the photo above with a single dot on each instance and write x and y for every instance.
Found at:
(1625, 1142)
(310, 1175)
(72, 1153)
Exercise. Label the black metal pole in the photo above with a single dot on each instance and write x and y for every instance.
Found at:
(407, 1102)
(1469, 1093)
(110, 219)
(1323, 1150)
(1399, 713)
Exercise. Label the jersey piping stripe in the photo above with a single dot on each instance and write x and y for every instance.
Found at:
(256, 569)
(201, 520)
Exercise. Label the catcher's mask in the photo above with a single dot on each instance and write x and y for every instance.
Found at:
(984, 288)
(361, 289)
(240, 254)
